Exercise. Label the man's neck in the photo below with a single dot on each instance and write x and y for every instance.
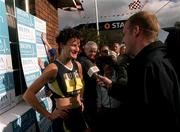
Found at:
(142, 44)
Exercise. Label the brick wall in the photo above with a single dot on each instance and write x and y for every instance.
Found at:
(48, 13)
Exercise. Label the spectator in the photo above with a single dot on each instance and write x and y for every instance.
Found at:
(122, 49)
(116, 48)
(90, 95)
(51, 52)
(108, 108)
(173, 47)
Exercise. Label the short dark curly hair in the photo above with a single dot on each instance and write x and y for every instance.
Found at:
(66, 34)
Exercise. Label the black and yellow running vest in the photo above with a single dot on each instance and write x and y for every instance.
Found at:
(67, 82)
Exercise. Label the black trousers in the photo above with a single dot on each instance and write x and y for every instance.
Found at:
(110, 120)
(74, 122)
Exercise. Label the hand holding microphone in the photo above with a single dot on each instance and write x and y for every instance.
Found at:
(102, 80)
(92, 69)
(93, 72)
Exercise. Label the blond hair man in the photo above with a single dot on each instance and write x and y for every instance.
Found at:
(153, 91)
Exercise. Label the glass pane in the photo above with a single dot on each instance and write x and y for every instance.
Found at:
(21, 4)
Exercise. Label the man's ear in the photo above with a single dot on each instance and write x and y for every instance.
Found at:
(137, 30)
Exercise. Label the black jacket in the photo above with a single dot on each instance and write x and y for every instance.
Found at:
(153, 91)
(90, 93)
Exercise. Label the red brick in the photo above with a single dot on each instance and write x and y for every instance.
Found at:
(47, 12)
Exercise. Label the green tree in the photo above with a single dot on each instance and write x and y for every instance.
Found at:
(106, 37)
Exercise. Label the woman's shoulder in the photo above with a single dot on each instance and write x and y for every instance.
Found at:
(51, 69)
(49, 73)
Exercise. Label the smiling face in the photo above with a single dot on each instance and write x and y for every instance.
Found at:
(91, 52)
(71, 49)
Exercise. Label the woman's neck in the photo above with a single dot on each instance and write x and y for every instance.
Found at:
(66, 61)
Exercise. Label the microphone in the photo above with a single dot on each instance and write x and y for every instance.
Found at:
(92, 69)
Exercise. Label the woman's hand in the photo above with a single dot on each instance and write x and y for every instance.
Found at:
(59, 113)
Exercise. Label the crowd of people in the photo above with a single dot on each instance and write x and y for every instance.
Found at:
(131, 85)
